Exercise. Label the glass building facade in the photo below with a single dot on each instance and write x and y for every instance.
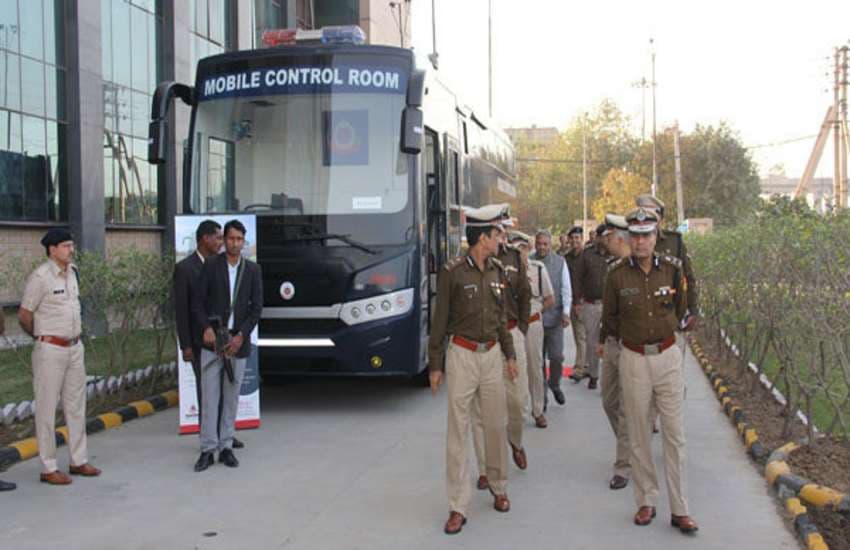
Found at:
(33, 180)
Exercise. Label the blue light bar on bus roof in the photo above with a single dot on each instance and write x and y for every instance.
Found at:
(347, 34)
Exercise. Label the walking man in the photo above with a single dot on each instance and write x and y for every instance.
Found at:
(576, 242)
(227, 305)
(643, 303)
(591, 268)
(542, 298)
(617, 244)
(50, 313)
(470, 318)
(517, 304)
(556, 319)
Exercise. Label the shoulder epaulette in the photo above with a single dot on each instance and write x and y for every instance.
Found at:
(497, 263)
(454, 263)
(618, 262)
(676, 262)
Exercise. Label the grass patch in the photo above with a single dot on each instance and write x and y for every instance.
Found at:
(140, 351)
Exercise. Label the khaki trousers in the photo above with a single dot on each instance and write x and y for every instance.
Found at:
(612, 404)
(516, 394)
(579, 335)
(591, 314)
(645, 377)
(470, 376)
(59, 372)
(534, 358)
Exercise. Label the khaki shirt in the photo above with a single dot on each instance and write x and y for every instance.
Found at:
(541, 285)
(518, 295)
(53, 296)
(643, 308)
(471, 304)
(671, 243)
(591, 268)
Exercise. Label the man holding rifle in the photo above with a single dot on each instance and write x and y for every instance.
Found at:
(227, 305)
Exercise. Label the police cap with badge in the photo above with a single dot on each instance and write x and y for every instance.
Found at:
(56, 236)
(489, 215)
(649, 202)
(642, 221)
(614, 222)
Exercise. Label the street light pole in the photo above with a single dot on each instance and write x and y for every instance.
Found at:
(490, 55)
(584, 172)
(654, 135)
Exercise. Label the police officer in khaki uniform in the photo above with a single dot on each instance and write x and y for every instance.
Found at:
(542, 298)
(644, 302)
(470, 319)
(50, 313)
(617, 243)
(517, 299)
(576, 241)
(591, 268)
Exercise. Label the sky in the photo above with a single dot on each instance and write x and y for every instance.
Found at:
(763, 67)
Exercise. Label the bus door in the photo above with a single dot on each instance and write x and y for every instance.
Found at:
(434, 247)
(454, 196)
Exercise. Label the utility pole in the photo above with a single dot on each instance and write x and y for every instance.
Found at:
(643, 85)
(836, 132)
(433, 57)
(842, 194)
(654, 135)
(680, 200)
(584, 172)
(490, 55)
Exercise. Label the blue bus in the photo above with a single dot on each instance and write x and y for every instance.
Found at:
(356, 164)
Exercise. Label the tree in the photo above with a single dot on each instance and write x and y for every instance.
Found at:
(619, 189)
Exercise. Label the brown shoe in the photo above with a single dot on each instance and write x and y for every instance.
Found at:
(592, 384)
(86, 470)
(501, 503)
(520, 459)
(685, 524)
(644, 515)
(483, 484)
(56, 478)
(454, 524)
(540, 421)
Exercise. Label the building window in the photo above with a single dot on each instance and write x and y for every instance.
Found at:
(130, 63)
(268, 14)
(210, 28)
(33, 183)
(336, 12)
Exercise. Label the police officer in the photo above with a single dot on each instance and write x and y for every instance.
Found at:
(470, 317)
(590, 268)
(542, 298)
(672, 243)
(617, 243)
(5, 485)
(50, 313)
(517, 300)
(644, 301)
(576, 241)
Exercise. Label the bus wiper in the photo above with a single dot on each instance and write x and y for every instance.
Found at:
(338, 236)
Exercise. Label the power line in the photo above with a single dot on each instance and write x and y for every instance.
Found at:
(561, 161)
(778, 143)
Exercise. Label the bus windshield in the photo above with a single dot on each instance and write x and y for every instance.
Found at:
(331, 157)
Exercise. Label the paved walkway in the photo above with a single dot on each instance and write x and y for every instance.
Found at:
(360, 465)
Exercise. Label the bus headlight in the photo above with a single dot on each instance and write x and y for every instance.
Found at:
(377, 307)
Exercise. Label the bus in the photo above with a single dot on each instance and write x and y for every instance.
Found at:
(356, 164)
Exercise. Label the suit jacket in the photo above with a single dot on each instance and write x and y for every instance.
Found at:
(212, 298)
(187, 274)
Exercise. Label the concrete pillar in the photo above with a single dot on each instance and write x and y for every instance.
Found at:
(84, 102)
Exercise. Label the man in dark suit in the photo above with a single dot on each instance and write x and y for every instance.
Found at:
(231, 291)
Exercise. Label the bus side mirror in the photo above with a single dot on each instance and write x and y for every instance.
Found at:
(158, 142)
(412, 130)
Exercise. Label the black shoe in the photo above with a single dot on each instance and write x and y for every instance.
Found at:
(7, 486)
(204, 461)
(592, 384)
(559, 396)
(238, 444)
(227, 458)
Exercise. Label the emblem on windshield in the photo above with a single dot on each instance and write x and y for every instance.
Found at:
(287, 290)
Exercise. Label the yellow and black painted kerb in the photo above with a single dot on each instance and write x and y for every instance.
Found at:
(28, 448)
(777, 472)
